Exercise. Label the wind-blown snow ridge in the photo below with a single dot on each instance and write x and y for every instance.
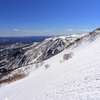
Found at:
(72, 74)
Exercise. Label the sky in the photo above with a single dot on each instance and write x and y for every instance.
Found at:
(48, 17)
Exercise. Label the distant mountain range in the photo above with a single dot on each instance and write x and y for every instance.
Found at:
(30, 39)
(15, 56)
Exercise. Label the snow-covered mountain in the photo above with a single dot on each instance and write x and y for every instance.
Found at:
(61, 68)
(20, 55)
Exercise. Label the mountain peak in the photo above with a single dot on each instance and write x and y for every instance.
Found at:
(97, 29)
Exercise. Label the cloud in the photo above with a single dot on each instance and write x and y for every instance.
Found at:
(16, 30)
(73, 30)
(69, 29)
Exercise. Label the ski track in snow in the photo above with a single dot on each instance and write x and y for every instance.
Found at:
(75, 79)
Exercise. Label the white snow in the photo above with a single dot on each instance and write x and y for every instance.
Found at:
(75, 79)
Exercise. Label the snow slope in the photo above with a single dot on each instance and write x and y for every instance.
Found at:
(75, 79)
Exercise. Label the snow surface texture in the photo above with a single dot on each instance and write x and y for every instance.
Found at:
(77, 78)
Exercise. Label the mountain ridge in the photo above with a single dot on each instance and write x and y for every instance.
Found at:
(72, 74)
(17, 57)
